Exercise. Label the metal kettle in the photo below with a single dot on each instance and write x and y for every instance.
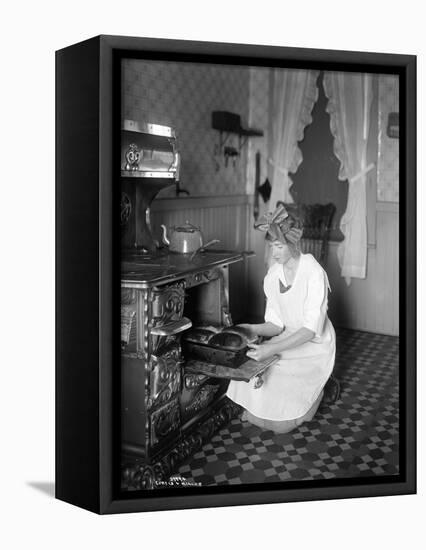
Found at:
(185, 239)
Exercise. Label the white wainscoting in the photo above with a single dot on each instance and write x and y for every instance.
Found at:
(223, 217)
(371, 304)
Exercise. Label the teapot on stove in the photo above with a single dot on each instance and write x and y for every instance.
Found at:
(185, 239)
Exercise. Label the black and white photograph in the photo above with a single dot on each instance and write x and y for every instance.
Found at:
(213, 304)
(259, 220)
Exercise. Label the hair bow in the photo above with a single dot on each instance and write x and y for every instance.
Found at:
(278, 225)
(264, 223)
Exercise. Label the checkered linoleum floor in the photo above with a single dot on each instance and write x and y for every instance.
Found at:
(356, 436)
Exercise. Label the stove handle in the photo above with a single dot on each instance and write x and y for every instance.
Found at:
(172, 328)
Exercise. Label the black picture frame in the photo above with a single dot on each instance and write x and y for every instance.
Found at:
(86, 279)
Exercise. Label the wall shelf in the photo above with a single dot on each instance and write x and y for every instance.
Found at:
(230, 123)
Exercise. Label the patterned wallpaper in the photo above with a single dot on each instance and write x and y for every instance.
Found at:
(258, 118)
(388, 153)
(183, 95)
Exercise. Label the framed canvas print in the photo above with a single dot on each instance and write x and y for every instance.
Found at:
(235, 244)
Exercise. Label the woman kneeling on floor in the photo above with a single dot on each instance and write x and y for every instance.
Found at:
(299, 332)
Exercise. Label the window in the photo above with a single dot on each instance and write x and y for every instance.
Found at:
(316, 180)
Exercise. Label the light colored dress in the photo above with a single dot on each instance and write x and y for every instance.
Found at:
(292, 387)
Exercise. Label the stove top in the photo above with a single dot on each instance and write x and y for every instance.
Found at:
(148, 269)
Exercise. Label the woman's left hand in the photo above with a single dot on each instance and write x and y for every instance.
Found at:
(260, 352)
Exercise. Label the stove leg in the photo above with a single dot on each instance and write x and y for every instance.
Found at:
(141, 476)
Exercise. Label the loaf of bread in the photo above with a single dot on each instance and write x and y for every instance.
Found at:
(246, 334)
(229, 340)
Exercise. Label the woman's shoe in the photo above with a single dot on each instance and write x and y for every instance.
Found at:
(331, 390)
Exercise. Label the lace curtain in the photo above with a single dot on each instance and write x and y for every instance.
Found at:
(294, 93)
(350, 98)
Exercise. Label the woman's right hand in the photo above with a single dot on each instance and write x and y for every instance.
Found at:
(259, 352)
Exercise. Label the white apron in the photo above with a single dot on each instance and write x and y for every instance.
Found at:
(293, 384)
